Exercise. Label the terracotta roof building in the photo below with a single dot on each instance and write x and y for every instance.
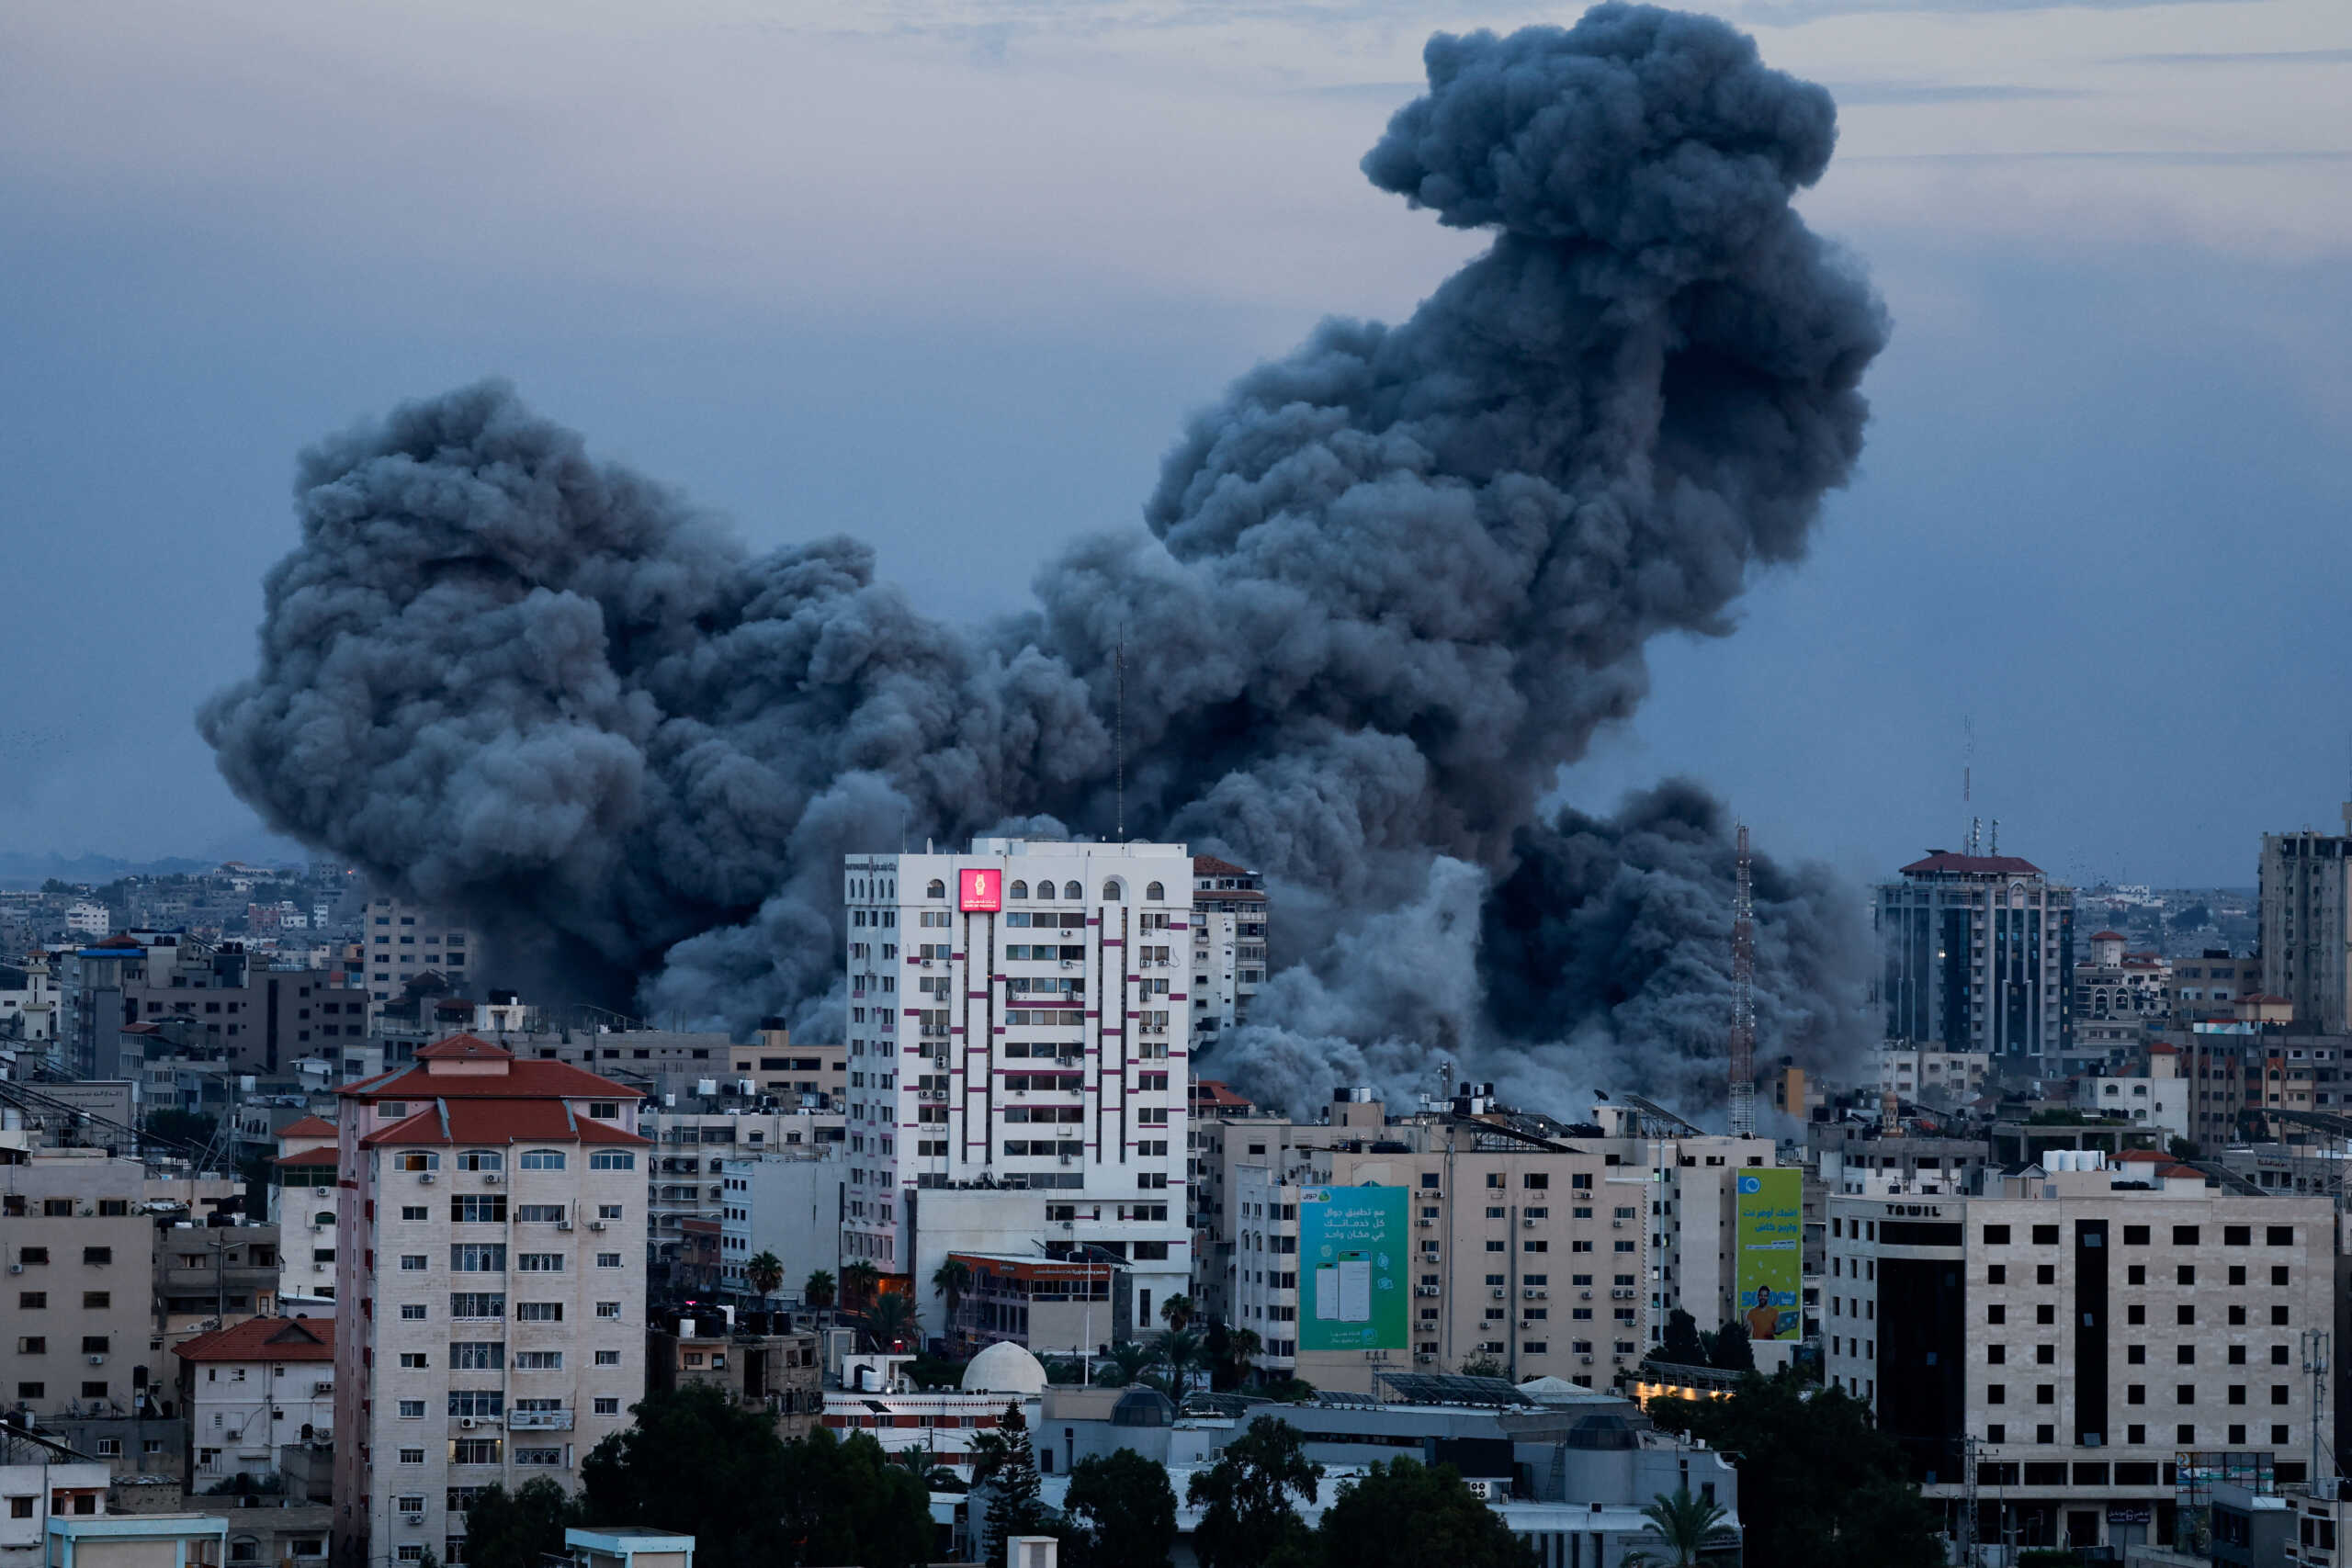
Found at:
(489, 1261)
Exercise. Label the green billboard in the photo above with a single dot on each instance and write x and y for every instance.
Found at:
(1768, 1231)
(1351, 1287)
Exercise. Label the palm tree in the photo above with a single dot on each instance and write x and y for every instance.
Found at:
(1128, 1360)
(1176, 1312)
(891, 1319)
(950, 1280)
(1684, 1524)
(764, 1271)
(819, 1289)
(859, 1281)
(1180, 1350)
(1241, 1347)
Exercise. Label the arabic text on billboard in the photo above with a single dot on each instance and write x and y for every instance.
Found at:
(1771, 1235)
(979, 890)
(1352, 1268)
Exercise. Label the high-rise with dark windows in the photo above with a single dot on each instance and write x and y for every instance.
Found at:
(1978, 952)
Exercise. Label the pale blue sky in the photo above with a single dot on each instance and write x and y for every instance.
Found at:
(948, 276)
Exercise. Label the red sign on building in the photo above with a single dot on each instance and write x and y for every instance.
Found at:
(979, 892)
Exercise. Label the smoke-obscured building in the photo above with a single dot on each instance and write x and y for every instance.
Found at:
(2306, 938)
(1979, 956)
(401, 940)
(1019, 1019)
(1229, 943)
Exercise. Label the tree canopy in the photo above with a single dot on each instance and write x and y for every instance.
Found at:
(696, 1463)
(1404, 1515)
(1121, 1512)
(1819, 1485)
(1250, 1497)
(520, 1529)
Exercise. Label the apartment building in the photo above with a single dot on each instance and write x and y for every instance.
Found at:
(489, 1272)
(1019, 1019)
(2114, 984)
(759, 1360)
(2156, 1095)
(693, 1147)
(1946, 1079)
(2240, 1071)
(209, 1276)
(2306, 938)
(401, 940)
(39, 1476)
(77, 1234)
(1860, 1158)
(2209, 984)
(2079, 1334)
(303, 1206)
(245, 1391)
(788, 1202)
(1229, 963)
(1979, 956)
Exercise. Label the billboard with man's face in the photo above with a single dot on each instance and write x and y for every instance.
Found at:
(1769, 1231)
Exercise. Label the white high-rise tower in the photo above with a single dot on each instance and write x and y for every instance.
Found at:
(1018, 1027)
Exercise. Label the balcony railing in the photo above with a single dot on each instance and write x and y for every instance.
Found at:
(538, 1420)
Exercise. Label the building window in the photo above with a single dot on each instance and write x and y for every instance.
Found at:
(609, 1357)
(540, 1159)
(612, 1159)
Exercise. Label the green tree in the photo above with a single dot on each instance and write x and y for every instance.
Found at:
(818, 1289)
(1481, 1366)
(1122, 1512)
(846, 1502)
(952, 1279)
(1683, 1345)
(1008, 1464)
(1248, 1514)
(764, 1271)
(1404, 1515)
(1728, 1349)
(696, 1463)
(891, 1323)
(1685, 1527)
(1177, 1312)
(1231, 1367)
(1819, 1485)
(520, 1529)
(1180, 1352)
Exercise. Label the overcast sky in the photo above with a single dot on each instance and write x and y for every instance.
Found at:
(948, 276)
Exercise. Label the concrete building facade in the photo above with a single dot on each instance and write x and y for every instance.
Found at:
(1019, 1017)
(401, 940)
(1229, 963)
(2306, 936)
(2078, 1335)
(248, 1390)
(1979, 956)
(490, 1274)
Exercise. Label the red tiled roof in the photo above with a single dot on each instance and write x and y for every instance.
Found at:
(1209, 1092)
(1979, 865)
(308, 1157)
(2161, 1049)
(2155, 1155)
(2182, 1170)
(540, 1120)
(464, 1048)
(522, 1080)
(308, 1127)
(2108, 936)
(1209, 865)
(265, 1339)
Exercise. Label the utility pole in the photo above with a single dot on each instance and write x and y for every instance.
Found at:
(1968, 1501)
(2315, 1348)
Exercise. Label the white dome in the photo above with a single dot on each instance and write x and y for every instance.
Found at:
(1004, 1368)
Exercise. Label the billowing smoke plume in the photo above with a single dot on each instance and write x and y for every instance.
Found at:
(1389, 585)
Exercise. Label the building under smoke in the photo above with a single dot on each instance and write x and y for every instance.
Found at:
(1387, 586)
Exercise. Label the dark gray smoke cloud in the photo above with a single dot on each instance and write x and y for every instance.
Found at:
(1389, 585)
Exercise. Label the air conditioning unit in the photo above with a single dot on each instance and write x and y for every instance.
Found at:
(563, 1224)
(16, 1267)
(412, 1518)
(427, 1179)
(1426, 1225)
(592, 1224)
(1586, 1359)
(1423, 1357)
(320, 1390)
(1528, 1220)
(1584, 1295)
(466, 1423)
(97, 1361)
(925, 962)
(1499, 1292)
(1425, 1290)
(1616, 1224)
(490, 1179)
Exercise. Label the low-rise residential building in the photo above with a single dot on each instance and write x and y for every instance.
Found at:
(41, 1476)
(2155, 1097)
(246, 1390)
(788, 1204)
(1932, 1077)
(760, 1361)
(2077, 1333)
(77, 1234)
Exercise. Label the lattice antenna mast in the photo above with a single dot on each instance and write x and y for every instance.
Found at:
(1743, 1000)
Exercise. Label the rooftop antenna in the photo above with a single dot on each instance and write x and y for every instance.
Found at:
(1743, 998)
(1119, 730)
(1994, 847)
(1967, 769)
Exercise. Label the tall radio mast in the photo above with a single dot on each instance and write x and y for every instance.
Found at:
(1743, 1000)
